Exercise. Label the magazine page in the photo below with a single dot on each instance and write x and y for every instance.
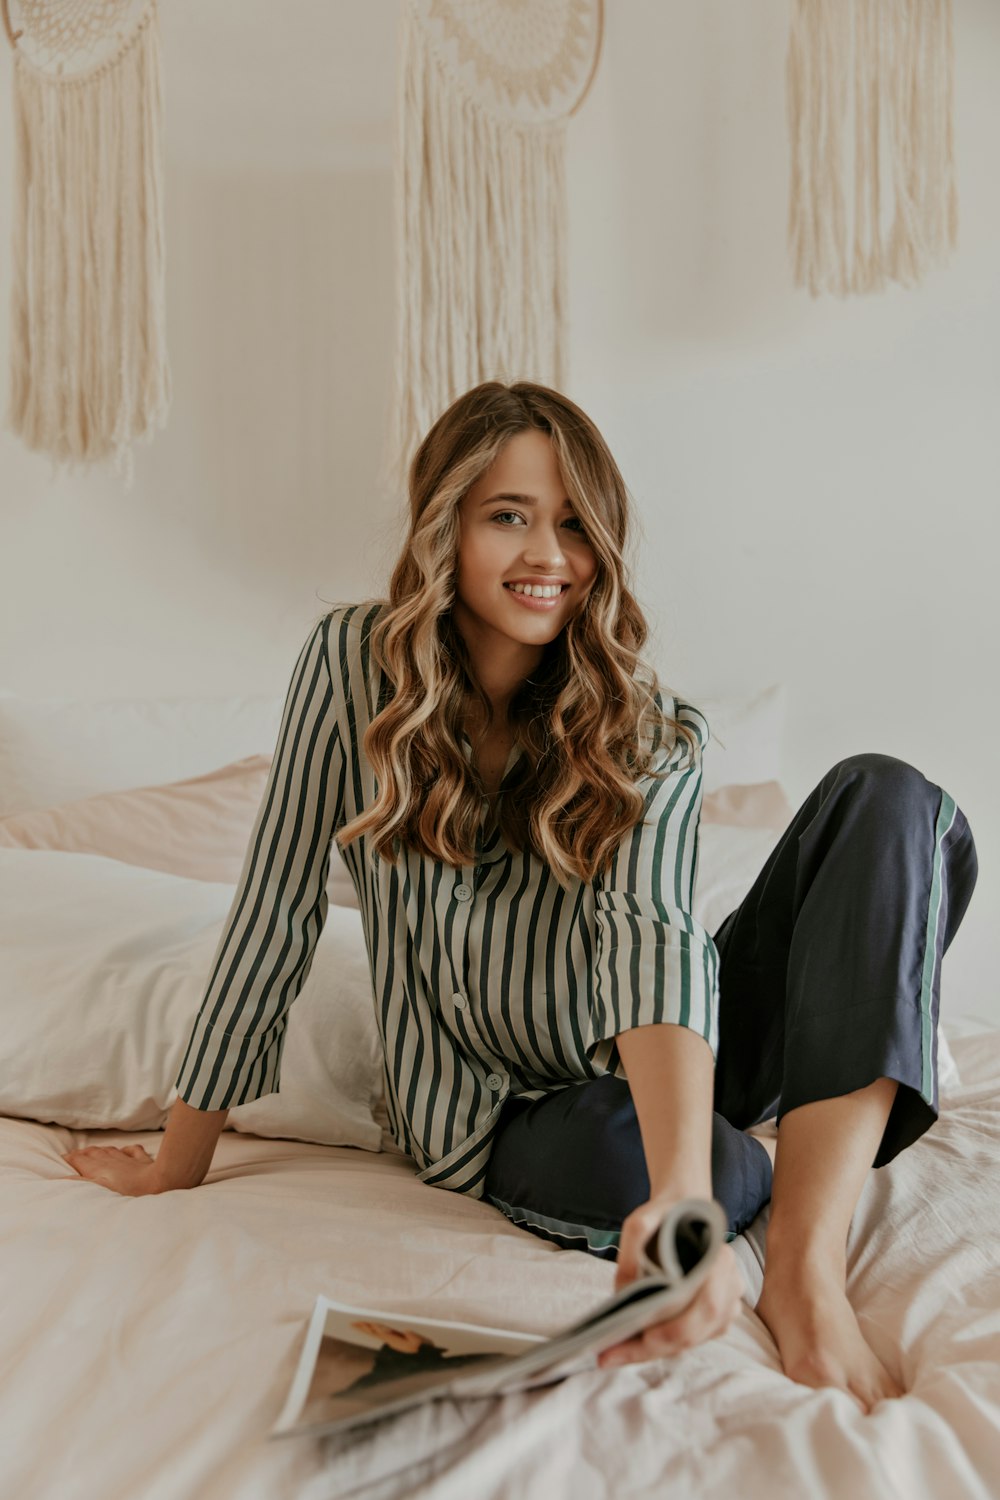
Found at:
(359, 1364)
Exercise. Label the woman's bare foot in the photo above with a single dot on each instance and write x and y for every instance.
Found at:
(805, 1307)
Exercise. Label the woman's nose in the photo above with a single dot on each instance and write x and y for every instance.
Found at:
(544, 553)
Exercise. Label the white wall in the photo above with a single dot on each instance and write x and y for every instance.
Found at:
(814, 477)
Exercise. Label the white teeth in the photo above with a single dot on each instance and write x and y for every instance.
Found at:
(537, 590)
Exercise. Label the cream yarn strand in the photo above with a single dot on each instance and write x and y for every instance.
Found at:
(480, 227)
(878, 73)
(88, 359)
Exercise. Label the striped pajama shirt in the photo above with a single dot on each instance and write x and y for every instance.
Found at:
(489, 980)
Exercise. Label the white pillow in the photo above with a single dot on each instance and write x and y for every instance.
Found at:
(729, 861)
(55, 750)
(747, 741)
(102, 968)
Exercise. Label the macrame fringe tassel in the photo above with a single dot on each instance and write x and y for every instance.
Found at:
(882, 71)
(89, 368)
(481, 250)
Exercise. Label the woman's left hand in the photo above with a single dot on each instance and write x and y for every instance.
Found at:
(713, 1309)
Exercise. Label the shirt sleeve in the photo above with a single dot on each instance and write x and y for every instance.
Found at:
(269, 938)
(654, 962)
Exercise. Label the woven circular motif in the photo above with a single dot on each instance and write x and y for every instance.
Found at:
(67, 37)
(526, 61)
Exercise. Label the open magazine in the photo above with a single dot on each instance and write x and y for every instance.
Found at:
(359, 1364)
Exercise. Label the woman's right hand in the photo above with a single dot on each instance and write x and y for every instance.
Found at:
(129, 1170)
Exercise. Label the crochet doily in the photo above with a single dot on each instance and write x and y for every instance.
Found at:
(528, 61)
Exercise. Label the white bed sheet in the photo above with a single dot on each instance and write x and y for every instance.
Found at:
(146, 1345)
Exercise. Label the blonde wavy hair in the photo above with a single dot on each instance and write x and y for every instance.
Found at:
(589, 720)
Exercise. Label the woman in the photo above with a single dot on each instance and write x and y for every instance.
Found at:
(518, 804)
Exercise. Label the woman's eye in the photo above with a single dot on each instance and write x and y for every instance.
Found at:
(572, 520)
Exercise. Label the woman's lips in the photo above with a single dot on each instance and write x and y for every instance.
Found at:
(537, 604)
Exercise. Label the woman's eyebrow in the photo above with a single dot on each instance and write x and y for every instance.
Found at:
(521, 499)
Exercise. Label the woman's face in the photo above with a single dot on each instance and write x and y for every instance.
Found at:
(517, 525)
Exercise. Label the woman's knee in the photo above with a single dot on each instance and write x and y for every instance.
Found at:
(609, 1140)
(580, 1148)
(896, 784)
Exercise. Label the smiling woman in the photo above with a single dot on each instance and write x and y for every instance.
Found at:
(561, 1035)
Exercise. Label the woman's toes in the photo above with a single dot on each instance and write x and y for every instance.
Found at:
(870, 1395)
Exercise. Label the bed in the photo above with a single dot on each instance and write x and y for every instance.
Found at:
(147, 1344)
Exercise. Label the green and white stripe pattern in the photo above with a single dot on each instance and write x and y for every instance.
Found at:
(487, 980)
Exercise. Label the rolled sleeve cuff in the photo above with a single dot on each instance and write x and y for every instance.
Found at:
(654, 964)
(223, 1069)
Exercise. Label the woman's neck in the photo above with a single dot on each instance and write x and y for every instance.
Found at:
(475, 724)
(500, 665)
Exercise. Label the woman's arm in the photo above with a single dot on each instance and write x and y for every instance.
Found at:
(182, 1161)
(670, 1073)
(188, 1146)
(266, 946)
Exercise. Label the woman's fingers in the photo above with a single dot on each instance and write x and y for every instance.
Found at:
(636, 1231)
(106, 1151)
(93, 1162)
(710, 1314)
(129, 1170)
(662, 1340)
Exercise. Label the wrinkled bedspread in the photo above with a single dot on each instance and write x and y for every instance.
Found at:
(147, 1344)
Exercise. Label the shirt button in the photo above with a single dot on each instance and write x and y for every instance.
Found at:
(494, 1081)
(460, 1001)
(463, 892)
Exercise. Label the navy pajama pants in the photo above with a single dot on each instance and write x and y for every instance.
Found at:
(830, 978)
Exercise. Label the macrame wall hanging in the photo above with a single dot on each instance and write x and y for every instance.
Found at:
(88, 359)
(870, 81)
(486, 88)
